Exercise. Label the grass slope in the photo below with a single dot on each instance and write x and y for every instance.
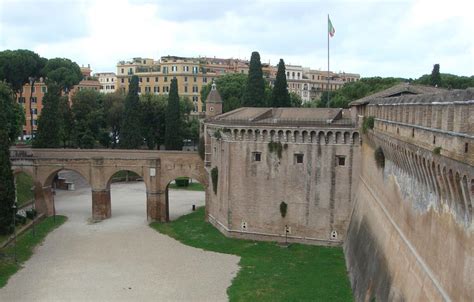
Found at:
(24, 183)
(269, 272)
(24, 247)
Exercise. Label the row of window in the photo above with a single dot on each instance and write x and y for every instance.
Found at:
(22, 100)
(44, 89)
(298, 158)
(156, 89)
(108, 87)
(165, 79)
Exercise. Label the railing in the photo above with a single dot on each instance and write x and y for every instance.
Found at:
(347, 123)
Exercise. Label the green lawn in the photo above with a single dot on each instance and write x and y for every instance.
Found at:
(24, 247)
(24, 183)
(269, 272)
(195, 186)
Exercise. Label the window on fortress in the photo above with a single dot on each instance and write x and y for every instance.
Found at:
(298, 158)
(466, 147)
(340, 160)
(165, 79)
(256, 156)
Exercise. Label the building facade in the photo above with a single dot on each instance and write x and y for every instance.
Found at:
(263, 157)
(194, 73)
(107, 80)
(31, 99)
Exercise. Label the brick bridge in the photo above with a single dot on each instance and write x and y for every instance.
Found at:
(157, 168)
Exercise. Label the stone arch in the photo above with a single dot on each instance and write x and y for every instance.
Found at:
(296, 136)
(462, 203)
(257, 134)
(355, 138)
(288, 135)
(280, 135)
(272, 135)
(321, 138)
(305, 137)
(236, 134)
(338, 137)
(467, 197)
(51, 173)
(249, 133)
(313, 137)
(242, 134)
(264, 135)
(347, 137)
(138, 170)
(329, 137)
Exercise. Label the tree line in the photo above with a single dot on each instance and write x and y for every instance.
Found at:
(116, 120)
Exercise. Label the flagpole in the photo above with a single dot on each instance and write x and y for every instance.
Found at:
(327, 87)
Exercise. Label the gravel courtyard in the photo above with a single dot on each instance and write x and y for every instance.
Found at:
(122, 258)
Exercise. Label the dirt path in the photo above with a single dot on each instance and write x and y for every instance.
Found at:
(122, 258)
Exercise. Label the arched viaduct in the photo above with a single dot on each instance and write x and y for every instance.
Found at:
(157, 168)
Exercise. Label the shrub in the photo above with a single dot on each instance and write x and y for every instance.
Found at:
(214, 177)
(20, 219)
(283, 209)
(437, 151)
(276, 147)
(379, 157)
(182, 181)
(368, 123)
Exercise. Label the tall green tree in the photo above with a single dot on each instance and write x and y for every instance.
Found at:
(17, 66)
(8, 133)
(63, 72)
(67, 122)
(88, 116)
(153, 108)
(130, 131)
(280, 96)
(255, 92)
(114, 104)
(435, 76)
(49, 122)
(173, 140)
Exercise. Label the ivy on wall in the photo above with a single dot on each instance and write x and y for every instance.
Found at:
(214, 177)
(367, 123)
(276, 147)
(283, 209)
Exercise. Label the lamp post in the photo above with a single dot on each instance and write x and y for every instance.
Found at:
(32, 82)
(14, 231)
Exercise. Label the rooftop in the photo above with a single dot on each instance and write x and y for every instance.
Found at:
(398, 90)
(283, 116)
(442, 96)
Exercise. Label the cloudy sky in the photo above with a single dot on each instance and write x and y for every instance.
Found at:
(385, 38)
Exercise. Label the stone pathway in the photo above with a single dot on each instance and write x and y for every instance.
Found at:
(122, 258)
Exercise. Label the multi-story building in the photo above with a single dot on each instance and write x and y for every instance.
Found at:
(107, 80)
(193, 73)
(310, 84)
(31, 98)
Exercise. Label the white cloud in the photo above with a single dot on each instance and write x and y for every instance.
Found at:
(372, 37)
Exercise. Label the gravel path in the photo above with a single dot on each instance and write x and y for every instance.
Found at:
(122, 258)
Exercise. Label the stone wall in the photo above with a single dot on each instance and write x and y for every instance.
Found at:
(317, 190)
(410, 236)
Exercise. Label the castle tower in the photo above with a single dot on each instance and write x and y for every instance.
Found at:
(213, 102)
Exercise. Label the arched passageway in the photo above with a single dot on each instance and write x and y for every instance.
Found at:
(182, 195)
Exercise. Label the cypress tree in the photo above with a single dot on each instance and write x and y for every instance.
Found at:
(49, 122)
(7, 185)
(130, 132)
(435, 78)
(255, 93)
(173, 140)
(280, 95)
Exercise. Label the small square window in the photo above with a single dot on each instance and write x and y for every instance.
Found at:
(256, 156)
(298, 158)
(340, 160)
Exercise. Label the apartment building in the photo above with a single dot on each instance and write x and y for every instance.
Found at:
(107, 80)
(31, 99)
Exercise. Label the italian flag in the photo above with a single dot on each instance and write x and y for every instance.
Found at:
(331, 29)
